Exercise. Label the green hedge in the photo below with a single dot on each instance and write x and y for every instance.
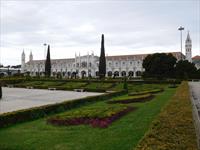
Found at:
(146, 92)
(173, 129)
(11, 118)
(13, 80)
(131, 99)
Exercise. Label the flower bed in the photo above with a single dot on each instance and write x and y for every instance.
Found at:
(146, 92)
(100, 117)
(131, 99)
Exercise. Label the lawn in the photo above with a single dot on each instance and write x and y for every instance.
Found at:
(123, 134)
(98, 86)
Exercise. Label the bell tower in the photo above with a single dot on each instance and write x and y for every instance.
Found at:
(188, 48)
(31, 56)
(23, 62)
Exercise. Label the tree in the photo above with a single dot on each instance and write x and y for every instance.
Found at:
(102, 60)
(0, 92)
(185, 69)
(198, 74)
(159, 65)
(125, 86)
(48, 63)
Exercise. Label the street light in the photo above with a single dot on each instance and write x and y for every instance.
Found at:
(45, 50)
(180, 29)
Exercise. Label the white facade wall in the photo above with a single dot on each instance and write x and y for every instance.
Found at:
(85, 66)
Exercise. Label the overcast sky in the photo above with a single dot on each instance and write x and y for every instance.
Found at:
(130, 27)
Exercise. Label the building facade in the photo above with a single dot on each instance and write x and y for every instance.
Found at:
(87, 65)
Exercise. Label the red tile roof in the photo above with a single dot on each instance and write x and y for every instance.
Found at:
(139, 56)
(197, 57)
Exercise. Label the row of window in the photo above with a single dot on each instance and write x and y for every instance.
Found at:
(109, 73)
(84, 64)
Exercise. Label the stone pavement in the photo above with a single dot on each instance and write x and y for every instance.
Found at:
(195, 97)
(19, 98)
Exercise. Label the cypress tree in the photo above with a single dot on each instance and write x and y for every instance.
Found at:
(48, 63)
(102, 60)
(0, 92)
(125, 87)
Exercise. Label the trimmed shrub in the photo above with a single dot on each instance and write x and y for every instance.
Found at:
(174, 128)
(146, 92)
(11, 118)
(132, 99)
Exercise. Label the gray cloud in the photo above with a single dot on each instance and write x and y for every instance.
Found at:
(74, 26)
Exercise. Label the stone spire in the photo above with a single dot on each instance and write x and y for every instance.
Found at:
(31, 56)
(23, 62)
(188, 48)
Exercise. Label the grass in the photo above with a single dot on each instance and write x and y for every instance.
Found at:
(96, 85)
(123, 134)
(174, 128)
(73, 85)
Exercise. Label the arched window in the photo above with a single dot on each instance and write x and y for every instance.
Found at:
(123, 73)
(97, 73)
(138, 73)
(84, 64)
(116, 73)
(83, 73)
(109, 73)
(130, 73)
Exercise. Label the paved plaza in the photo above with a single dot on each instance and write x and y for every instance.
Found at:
(19, 98)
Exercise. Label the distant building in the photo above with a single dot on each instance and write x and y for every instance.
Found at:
(196, 61)
(87, 65)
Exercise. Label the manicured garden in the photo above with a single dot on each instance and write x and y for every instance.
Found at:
(122, 132)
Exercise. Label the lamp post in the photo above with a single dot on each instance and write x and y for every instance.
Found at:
(45, 50)
(45, 44)
(180, 29)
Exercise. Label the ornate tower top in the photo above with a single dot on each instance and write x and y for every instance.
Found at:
(188, 48)
(23, 54)
(188, 39)
(31, 56)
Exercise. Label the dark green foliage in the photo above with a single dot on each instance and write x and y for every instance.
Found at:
(146, 92)
(0, 92)
(125, 84)
(185, 69)
(42, 111)
(125, 99)
(48, 63)
(159, 65)
(102, 60)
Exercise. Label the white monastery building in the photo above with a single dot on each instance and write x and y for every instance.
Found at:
(87, 65)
